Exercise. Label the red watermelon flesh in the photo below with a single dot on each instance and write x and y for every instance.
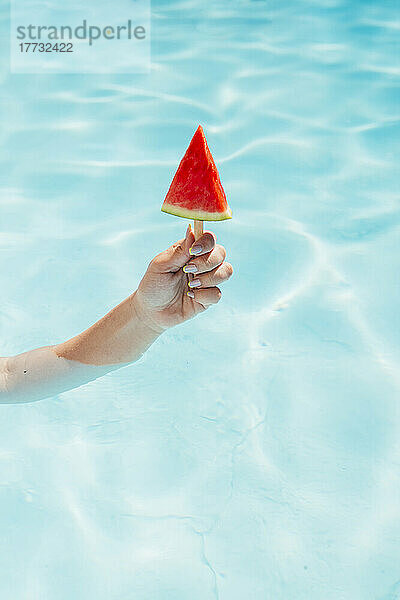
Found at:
(196, 191)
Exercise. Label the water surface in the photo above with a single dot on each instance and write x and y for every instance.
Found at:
(263, 460)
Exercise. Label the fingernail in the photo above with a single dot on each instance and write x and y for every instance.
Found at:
(194, 283)
(196, 249)
(190, 294)
(190, 269)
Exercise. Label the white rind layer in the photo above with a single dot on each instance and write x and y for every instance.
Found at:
(198, 215)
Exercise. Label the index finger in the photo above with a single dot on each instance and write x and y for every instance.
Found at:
(204, 244)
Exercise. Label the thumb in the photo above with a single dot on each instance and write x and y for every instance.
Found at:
(176, 256)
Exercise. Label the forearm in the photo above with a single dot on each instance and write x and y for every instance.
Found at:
(40, 373)
(117, 339)
(121, 336)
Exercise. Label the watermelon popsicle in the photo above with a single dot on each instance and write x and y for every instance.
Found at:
(196, 191)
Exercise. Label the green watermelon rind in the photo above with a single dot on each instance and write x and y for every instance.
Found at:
(198, 215)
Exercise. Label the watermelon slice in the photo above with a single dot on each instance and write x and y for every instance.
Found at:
(196, 191)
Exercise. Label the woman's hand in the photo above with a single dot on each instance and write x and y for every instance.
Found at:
(182, 281)
(165, 297)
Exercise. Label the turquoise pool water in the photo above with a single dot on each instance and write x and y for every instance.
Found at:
(254, 453)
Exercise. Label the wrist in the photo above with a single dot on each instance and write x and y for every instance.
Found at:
(145, 316)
